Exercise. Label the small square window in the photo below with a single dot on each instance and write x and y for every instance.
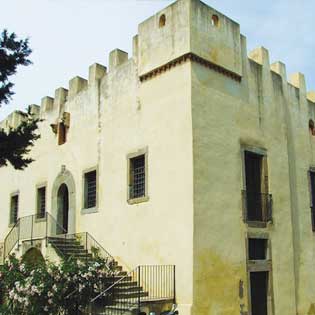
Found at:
(90, 190)
(14, 209)
(41, 202)
(257, 249)
(137, 177)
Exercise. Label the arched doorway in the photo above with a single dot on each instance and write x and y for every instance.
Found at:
(63, 208)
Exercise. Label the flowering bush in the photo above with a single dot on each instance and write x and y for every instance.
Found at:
(51, 289)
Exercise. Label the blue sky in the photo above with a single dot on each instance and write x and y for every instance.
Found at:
(68, 36)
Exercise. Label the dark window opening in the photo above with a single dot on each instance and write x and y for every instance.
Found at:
(311, 126)
(253, 166)
(312, 191)
(41, 202)
(257, 200)
(215, 20)
(162, 21)
(14, 209)
(62, 133)
(63, 209)
(257, 249)
(137, 177)
(259, 292)
(90, 190)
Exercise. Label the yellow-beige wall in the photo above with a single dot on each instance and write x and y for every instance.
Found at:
(193, 119)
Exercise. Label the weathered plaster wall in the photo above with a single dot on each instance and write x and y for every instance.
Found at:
(109, 119)
(193, 121)
(258, 112)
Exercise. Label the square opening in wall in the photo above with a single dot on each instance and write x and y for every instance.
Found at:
(257, 249)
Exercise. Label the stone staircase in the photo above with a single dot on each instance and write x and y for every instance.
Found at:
(69, 247)
(126, 291)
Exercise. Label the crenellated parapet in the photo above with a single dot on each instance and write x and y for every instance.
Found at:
(260, 55)
(14, 119)
(186, 31)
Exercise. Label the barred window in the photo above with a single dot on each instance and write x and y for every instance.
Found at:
(137, 177)
(90, 190)
(41, 202)
(14, 209)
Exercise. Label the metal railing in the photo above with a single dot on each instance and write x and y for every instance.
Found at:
(88, 243)
(30, 228)
(257, 206)
(142, 285)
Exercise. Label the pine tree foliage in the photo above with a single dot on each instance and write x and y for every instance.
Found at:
(15, 144)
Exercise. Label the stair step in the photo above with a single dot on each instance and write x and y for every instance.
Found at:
(64, 239)
(78, 251)
(126, 279)
(121, 308)
(67, 245)
(129, 289)
(130, 295)
(113, 311)
(127, 284)
(79, 255)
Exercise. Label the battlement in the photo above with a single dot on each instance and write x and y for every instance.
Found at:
(261, 56)
(185, 31)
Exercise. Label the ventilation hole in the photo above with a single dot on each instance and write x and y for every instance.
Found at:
(162, 20)
(215, 20)
(311, 126)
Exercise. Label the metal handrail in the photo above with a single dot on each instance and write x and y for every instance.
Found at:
(141, 274)
(101, 247)
(112, 285)
(56, 222)
(5, 239)
(28, 224)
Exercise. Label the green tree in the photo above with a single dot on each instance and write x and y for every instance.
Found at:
(15, 144)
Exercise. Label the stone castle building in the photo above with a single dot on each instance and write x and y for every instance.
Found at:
(190, 153)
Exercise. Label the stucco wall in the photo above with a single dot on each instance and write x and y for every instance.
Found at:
(110, 119)
(263, 111)
(193, 118)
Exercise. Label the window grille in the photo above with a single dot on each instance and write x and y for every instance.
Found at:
(41, 202)
(14, 209)
(137, 177)
(90, 190)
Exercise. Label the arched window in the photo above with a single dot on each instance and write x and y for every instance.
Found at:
(162, 20)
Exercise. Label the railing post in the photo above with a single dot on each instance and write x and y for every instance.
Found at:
(4, 251)
(86, 246)
(32, 217)
(174, 284)
(46, 224)
(139, 284)
(18, 240)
